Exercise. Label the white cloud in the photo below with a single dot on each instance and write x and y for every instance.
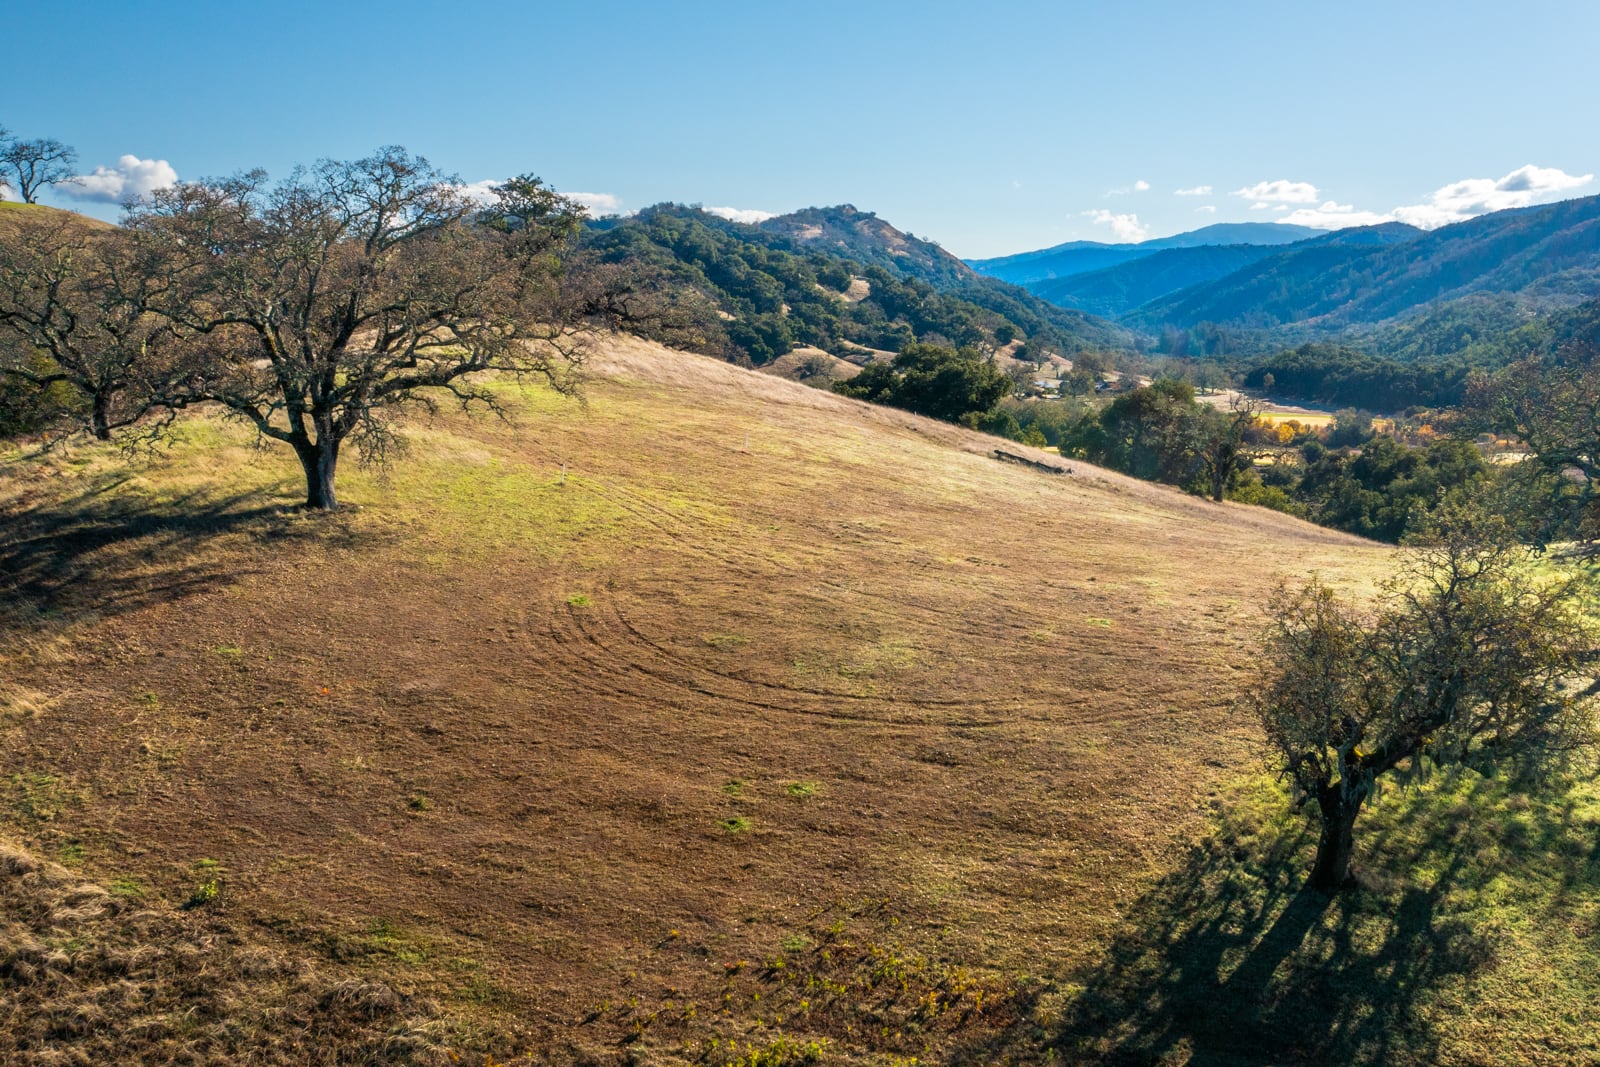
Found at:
(741, 214)
(1470, 197)
(598, 203)
(132, 177)
(1198, 190)
(1260, 207)
(1455, 202)
(1140, 186)
(479, 192)
(1125, 227)
(1334, 216)
(1207, 209)
(1281, 191)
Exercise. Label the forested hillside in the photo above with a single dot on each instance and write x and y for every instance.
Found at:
(754, 293)
(861, 236)
(1117, 290)
(1548, 256)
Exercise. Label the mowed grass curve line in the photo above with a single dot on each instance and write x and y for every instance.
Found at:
(713, 719)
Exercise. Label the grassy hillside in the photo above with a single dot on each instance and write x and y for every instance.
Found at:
(782, 729)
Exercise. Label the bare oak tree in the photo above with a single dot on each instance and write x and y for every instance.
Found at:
(316, 307)
(27, 166)
(1467, 660)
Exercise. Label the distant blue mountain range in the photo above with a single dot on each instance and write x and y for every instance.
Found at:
(1080, 257)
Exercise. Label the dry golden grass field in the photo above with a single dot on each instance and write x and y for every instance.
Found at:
(855, 745)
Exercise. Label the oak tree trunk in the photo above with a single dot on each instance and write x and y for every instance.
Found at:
(100, 417)
(320, 460)
(1331, 871)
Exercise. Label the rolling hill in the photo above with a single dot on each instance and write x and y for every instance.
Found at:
(717, 720)
(763, 291)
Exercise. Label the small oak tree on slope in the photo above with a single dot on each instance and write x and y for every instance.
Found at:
(73, 316)
(27, 166)
(315, 307)
(1469, 659)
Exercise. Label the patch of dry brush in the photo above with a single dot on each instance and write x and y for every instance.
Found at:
(88, 977)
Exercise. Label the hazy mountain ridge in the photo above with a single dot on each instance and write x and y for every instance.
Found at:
(1081, 257)
(1117, 290)
(1550, 255)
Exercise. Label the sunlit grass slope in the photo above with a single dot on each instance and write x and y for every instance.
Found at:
(777, 729)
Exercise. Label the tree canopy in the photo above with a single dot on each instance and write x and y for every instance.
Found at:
(1468, 659)
(944, 383)
(313, 307)
(1551, 403)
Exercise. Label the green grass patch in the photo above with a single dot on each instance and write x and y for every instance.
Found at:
(386, 938)
(1472, 939)
(127, 888)
(37, 798)
(801, 790)
(736, 825)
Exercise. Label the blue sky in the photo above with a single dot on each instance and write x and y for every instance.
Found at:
(990, 127)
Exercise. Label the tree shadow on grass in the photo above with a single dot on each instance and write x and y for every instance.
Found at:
(105, 551)
(1230, 960)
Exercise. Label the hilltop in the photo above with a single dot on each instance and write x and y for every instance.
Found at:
(11, 211)
(850, 233)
